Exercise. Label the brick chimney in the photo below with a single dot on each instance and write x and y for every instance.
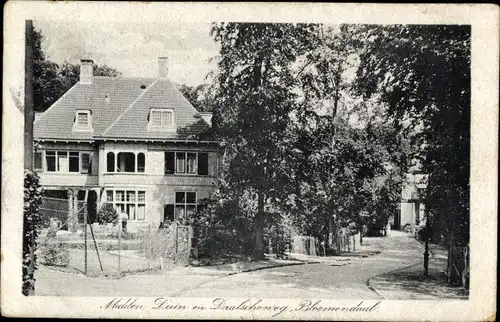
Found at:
(162, 67)
(86, 71)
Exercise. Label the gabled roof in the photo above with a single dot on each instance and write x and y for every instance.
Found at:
(119, 110)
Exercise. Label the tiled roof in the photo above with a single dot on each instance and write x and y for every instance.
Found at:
(120, 110)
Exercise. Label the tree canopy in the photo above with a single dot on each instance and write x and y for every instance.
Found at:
(283, 104)
(422, 73)
(52, 80)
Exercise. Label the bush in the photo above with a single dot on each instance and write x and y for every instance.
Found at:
(55, 254)
(222, 228)
(107, 214)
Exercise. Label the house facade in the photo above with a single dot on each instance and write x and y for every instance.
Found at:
(412, 205)
(135, 143)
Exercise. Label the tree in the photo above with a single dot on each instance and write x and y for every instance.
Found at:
(422, 73)
(283, 108)
(199, 96)
(52, 80)
(254, 98)
(344, 138)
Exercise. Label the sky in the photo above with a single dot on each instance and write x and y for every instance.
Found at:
(134, 48)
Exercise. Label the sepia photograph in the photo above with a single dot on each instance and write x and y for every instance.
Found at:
(233, 161)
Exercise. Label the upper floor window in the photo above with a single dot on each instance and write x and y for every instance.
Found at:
(186, 162)
(161, 120)
(83, 121)
(64, 161)
(126, 162)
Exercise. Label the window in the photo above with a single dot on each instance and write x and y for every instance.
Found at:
(141, 162)
(185, 205)
(38, 161)
(186, 162)
(110, 160)
(109, 196)
(64, 161)
(74, 162)
(141, 205)
(161, 120)
(132, 202)
(126, 162)
(191, 163)
(50, 160)
(56, 161)
(180, 162)
(82, 121)
(119, 201)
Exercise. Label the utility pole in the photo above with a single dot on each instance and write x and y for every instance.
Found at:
(427, 237)
(29, 224)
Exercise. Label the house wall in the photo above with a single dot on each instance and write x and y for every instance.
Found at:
(406, 213)
(160, 188)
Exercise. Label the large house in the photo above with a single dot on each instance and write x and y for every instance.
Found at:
(136, 143)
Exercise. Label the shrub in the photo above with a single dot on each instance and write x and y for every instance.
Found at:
(107, 214)
(55, 254)
(222, 228)
(31, 223)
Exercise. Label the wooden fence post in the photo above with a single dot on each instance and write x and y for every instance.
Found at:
(150, 246)
(188, 246)
(119, 243)
(85, 223)
(176, 236)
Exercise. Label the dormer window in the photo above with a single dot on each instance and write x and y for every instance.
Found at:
(161, 120)
(82, 121)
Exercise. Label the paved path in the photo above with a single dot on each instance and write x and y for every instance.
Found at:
(309, 280)
(316, 280)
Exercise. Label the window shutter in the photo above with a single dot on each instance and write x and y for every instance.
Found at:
(169, 162)
(203, 164)
(168, 213)
(85, 162)
(38, 161)
(212, 164)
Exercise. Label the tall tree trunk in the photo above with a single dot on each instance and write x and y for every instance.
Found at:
(330, 245)
(258, 252)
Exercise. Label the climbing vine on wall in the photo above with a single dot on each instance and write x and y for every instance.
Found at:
(32, 202)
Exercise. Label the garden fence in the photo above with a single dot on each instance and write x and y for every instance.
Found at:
(343, 242)
(95, 249)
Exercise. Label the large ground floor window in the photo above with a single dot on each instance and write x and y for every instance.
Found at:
(131, 202)
(184, 207)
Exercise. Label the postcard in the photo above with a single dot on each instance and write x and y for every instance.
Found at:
(298, 161)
